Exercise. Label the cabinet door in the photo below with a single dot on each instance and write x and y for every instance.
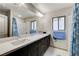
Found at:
(23, 51)
(41, 47)
(33, 49)
(20, 52)
(44, 43)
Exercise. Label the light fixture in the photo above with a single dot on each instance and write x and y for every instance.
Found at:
(22, 4)
(39, 14)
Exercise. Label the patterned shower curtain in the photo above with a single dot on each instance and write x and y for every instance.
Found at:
(14, 27)
(75, 31)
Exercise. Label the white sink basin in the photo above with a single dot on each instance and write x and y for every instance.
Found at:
(18, 42)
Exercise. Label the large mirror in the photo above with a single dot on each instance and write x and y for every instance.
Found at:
(21, 27)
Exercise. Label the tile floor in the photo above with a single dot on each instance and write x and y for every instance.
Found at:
(60, 43)
(55, 52)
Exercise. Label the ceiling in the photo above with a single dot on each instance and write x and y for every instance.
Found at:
(48, 7)
(19, 10)
(29, 10)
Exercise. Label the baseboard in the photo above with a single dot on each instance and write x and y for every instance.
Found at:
(58, 48)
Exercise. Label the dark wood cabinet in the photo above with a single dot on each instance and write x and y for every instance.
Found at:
(33, 49)
(37, 48)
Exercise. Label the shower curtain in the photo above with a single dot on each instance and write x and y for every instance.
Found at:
(75, 31)
(14, 27)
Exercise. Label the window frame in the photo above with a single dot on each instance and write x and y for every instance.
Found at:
(58, 23)
(31, 26)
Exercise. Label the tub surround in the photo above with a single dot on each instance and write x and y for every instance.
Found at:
(11, 44)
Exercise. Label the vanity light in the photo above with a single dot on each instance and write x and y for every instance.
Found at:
(22, 4)
(39, 14)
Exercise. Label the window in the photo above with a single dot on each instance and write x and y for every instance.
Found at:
(55, 24)
(59, 23)
(33, 26)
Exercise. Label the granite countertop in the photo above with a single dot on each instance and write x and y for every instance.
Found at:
(10, 44)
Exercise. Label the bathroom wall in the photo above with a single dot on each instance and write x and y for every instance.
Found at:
(27, 27)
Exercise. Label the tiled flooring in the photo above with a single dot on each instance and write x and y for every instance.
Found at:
(55, 52)
(60, 43)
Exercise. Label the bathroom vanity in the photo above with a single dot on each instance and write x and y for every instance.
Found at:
(28, 45)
